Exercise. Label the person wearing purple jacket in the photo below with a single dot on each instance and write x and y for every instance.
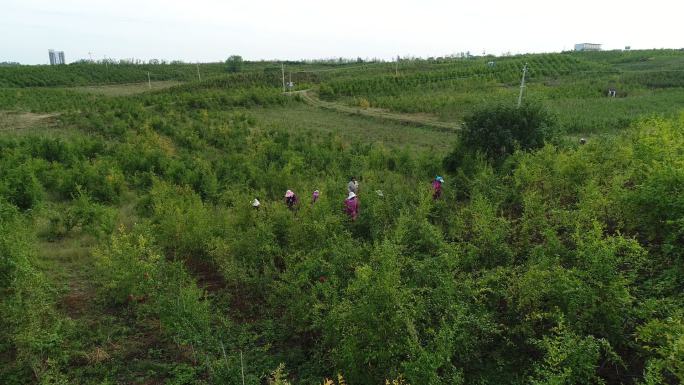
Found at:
(351, 205)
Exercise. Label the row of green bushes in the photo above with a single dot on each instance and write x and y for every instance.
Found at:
(33, 333)
(541, 264)
(83, 74)
(504, 70)
(544, 270)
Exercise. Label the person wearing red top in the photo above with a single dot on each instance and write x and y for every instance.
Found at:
(351, 205)
(437, 187)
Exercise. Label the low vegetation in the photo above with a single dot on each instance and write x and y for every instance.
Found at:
(130, 253)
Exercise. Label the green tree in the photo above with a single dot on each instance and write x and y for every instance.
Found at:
(497, 131)
(234, 63)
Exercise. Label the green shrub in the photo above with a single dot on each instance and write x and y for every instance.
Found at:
(126, 264)
(234, 63)
(664, 341)
(182, 220)
(82, 215)
(568, 359)
(22, 187)
(368, 327)
(499, 130)
(132, 271)
(32, 332)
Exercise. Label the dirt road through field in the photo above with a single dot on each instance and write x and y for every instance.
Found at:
(310, 98)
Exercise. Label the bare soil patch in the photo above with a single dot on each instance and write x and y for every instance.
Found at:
(15, 120)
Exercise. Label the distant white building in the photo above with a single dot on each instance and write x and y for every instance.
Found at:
(56, 57)
(587, 47)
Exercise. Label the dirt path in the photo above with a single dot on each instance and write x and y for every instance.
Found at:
(15, 120)
(126, 89)
(68, 263)
(111, 345)
(310, 98)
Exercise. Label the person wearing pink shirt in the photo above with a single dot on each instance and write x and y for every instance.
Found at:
(437, 187)
(351, 205)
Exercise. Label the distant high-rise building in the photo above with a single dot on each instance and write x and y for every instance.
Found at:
(56, 57)
(587, 47)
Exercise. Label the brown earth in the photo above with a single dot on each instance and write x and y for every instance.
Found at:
(15, 120)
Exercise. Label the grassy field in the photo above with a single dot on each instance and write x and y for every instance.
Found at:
(572, 85)
(354, 128)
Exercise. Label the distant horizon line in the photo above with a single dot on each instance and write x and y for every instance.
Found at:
(342, 59)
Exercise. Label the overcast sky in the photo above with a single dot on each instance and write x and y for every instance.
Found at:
(211, 30)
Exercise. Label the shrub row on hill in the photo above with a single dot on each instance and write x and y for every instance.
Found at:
(81, 74)
(551, 265)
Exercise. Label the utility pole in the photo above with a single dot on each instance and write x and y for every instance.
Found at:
(199, 78)
(522, 85)
(282, 69)
(242, 368)
(396, 67)
(106, 62)
(149, 82)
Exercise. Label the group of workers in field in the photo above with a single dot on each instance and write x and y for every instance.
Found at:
(351, 203)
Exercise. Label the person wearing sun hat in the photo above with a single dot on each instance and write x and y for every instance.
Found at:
(351, 205)
(290, 199)
(437, 187)
(353, 185)
(315, 195)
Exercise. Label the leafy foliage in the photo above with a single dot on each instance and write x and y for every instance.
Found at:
(234, 63)
(499, 130)
(558, 264)
(32, 331)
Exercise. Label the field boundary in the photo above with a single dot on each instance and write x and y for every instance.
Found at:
(310, 98)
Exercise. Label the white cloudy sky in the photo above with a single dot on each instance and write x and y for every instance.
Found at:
(211, 30)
